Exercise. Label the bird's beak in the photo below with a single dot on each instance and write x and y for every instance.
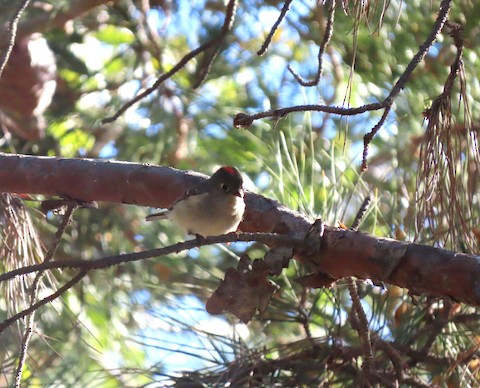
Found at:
(239, 193)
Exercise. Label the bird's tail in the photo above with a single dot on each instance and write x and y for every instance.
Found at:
(161, 215)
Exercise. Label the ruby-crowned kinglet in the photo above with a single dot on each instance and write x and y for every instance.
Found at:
(213, 207)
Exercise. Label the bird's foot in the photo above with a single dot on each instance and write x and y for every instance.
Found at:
(201, 240)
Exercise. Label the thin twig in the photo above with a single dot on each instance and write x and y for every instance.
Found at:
(7, 322)
(12, 32)
(27, 334)
(206, 67)
(359, 318)
(367, 139)
(88, 265)
(400, 85)
(361, 326)
(361, 212)
(321, 51)
(242, 120)
(423, 49)
(230, 13)
(267, 41)
(227, 26)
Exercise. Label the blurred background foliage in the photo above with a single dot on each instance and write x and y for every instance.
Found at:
(144, 323)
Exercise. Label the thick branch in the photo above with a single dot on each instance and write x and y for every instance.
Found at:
(89, 180)
(342, 253)
(421, 269)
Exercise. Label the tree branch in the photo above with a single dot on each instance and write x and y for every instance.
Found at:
(421, 269)
(226, 28)
(229, 16)
(27, 334)
(321, 50)
(7, 322)
(50, 20)
(267, 41)
(12, 33)
(109, 261)
(242, 120)
(90, 180)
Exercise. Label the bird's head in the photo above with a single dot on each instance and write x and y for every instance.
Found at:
(228, 180)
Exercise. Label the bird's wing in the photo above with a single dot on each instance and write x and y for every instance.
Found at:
(163, 214)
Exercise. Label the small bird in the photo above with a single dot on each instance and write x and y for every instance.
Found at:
(213, 207)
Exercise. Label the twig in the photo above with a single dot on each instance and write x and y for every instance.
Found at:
(456, 34)
(48, 20)
(361, 212)
(393, 354)
(12, 32)
(367, 139)
(88, 265)
(423, 49)
(265, 44)
(432, 330)
(359, 318)
(361, 326)
(321, 50)
(242, 120)
(227, 26)
(27, 334)
(7, 322)
(229, 16)
(205, 68)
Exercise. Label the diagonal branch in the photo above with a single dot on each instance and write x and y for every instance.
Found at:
(321, 50)
(12, 32)
(229, 17)
(67, 217)
(421, 269)
(7, 322)
(267, 41)
(47, 21)
(226, 28)
(242, 120)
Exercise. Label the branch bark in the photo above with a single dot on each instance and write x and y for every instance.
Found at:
(421, 269)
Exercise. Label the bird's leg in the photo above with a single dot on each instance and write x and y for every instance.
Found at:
(200, 239)
(235, 233)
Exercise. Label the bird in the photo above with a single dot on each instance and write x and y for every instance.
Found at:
(213, 207)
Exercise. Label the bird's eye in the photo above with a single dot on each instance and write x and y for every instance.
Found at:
(224, 187)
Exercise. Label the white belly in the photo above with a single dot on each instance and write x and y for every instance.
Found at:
(195, 218)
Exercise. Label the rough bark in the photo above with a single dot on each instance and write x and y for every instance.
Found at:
(421, 269)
